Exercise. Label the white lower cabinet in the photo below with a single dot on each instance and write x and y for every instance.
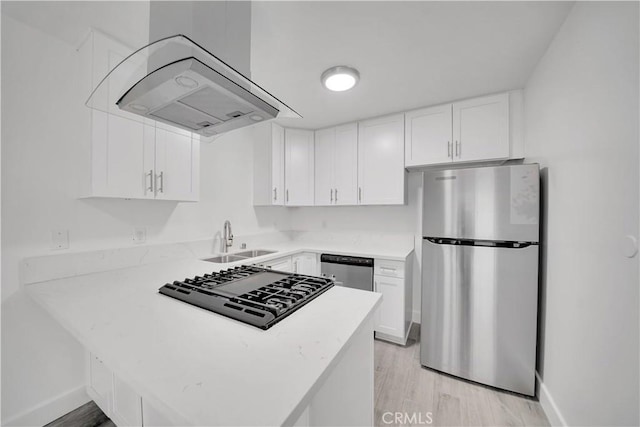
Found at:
(117, 399)
(99, 383)
(127, 405)
(279, 264)
(306, 263)
(393, 280)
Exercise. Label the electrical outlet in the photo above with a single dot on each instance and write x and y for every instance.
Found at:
(139, 234)
(59, 239)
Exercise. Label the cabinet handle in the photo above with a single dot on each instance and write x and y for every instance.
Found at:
(275, 194)
(150, 187)
(336, 195)
(359, 194)
(448, 149)
(295, 266)
(332, 195)
(457, 148)
(287, 194)
(161, 188)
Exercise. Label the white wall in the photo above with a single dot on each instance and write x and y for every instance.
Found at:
(43, 129)
(581, 115)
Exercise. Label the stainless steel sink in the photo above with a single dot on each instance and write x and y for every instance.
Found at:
(254, 253)
(240, 256)
(222, 259)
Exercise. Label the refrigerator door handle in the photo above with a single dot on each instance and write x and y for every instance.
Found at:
(485, 243)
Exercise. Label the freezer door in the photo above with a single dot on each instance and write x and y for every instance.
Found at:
(491, 203)
(479, 313)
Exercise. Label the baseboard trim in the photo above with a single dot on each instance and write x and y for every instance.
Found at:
(549, 406)
(51, 409)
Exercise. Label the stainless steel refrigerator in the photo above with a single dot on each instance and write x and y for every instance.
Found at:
(480, 274)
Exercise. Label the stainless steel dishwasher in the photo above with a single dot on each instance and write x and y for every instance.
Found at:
(348, 271)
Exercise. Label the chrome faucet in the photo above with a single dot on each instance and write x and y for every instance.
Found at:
(227, 239)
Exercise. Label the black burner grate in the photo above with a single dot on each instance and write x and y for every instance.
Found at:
(254, 295)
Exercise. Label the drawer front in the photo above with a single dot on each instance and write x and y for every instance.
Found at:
(388, 268)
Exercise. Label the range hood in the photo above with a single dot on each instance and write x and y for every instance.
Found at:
(176, 81)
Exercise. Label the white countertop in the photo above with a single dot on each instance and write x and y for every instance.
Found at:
(198, 367)
(396, 253)
(391, 252)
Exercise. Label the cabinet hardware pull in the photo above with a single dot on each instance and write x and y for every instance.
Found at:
(448, 149)
(458, 148)
(359, 194)
(287, 195)
(336, 195)
(275, 194)
(161, 188)
(150, 187)
(332, 195)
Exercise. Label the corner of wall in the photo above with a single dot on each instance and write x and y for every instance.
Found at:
(549, 406)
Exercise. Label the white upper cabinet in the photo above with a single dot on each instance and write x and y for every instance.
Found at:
(428, 135)
(481, 128)
(381, 173)
(324, 166)
(176, 166)
(466, 131)
(299, 167)
(268, 165)
(336, 165)
(345, 170)
(133, 157)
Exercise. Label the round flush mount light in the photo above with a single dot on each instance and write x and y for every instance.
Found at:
(187, 82)
(340, 78)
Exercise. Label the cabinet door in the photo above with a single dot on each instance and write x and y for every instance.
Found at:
(107, 53)
(325, 142)
(268, 164)
(119, 153)
(280, 264)
(381, 174)
(177, 166)
(299, 174)
(305, 263)
(428, 136)
(100, 384)
(277, 164)
(391, 312)
(127, 405)
(346, 165)
(481, 128)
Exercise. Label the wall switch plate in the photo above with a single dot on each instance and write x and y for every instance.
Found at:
(59, 239)
(139, 234)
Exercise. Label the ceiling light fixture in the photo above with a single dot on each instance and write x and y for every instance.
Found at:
(340, 78)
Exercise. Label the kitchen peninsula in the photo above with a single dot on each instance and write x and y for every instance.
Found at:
(153, 360)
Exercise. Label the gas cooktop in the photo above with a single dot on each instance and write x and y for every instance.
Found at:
(254, 295)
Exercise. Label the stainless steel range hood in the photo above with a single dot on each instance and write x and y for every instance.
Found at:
(178, 82)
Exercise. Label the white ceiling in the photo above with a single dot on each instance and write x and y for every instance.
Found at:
(409, 54)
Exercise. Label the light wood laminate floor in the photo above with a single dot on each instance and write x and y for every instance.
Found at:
(403, 386)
